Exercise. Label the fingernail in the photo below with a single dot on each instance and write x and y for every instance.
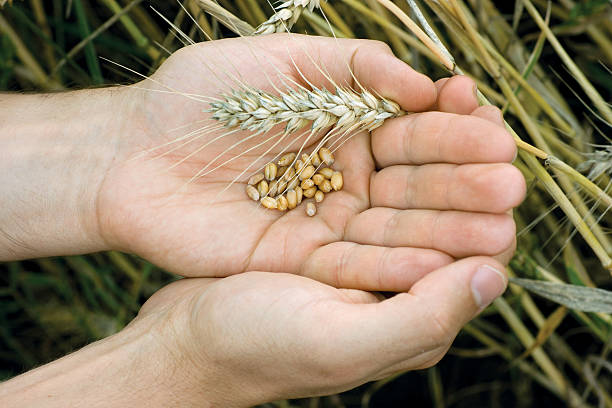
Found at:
(487, 284)
(475, 91)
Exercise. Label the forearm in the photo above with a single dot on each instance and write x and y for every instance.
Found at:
(54, 152)
(129, 369)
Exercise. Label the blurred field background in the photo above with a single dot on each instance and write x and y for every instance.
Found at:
(523, 351)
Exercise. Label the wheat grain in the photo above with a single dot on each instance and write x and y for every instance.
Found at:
(282, 186)
(311, 209)
(273, 188)
(270, 171)
(263, 188)
(254, 180)
(293, 183)
(269, 202)
(326, 172)
(291, 199)
(325, 186)
(307, 173)
(289, 173)
(308, 183)
(282, 203)
(309, 192)
(319, 195)
(337, 181)
(318, 179)
(306, 159)
(286, 159)
(252, 192)
(316, 160)
(326, 156)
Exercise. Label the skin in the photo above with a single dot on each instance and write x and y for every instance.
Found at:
(152, 219)
(279, 305)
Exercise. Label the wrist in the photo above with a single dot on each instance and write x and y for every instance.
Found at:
(206, 366)
(130, 368)
(55, 150)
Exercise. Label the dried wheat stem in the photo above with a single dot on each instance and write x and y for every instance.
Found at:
(416, 30)
(285, 16)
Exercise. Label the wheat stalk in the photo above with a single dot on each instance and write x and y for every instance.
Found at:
(285, 16)
(344, 110)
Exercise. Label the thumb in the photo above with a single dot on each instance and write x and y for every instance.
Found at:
(371, 63)
(414, 329)
(376, 68)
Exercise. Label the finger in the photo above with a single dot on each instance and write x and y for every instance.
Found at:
(372, 62)
(456, 94)
(373, 268)
(493, 188)
(456, 233)
(413, 330)
(377, 68)
(491, 113)
(505, 257)
(434, 137)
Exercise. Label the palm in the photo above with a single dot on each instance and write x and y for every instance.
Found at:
(437, 197)
(198, 227)
(261, 317)
(298, 337)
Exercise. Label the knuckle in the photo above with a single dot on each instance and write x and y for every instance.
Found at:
(504, 234)
(384, 264)
(391, 227)
(506, 147)
(515, 186)
(378, 46)
(508, 194)
(489, 111)
(517, 181)
(342, 266)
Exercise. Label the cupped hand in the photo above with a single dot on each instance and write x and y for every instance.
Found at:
(258, 337)
(421, 191)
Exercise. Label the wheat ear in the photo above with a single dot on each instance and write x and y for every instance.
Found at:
(285, 16)
(259, 111)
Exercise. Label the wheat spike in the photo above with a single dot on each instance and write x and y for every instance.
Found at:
(598, 162)
(343, 110)
(285, 16)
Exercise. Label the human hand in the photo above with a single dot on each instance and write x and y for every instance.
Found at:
(258, 337)
(430, 203)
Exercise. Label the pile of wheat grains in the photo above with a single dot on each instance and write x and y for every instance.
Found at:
(283, 185)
